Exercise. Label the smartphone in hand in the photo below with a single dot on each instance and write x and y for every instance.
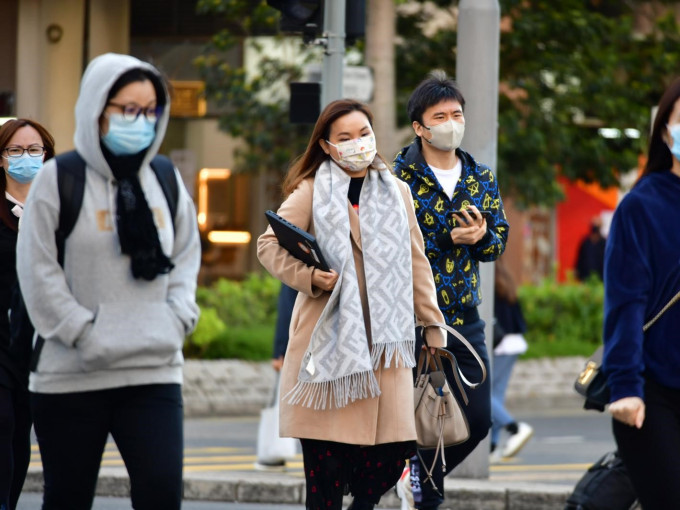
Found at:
(473, 215)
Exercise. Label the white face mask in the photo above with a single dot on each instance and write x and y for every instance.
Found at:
(356, 155)
(446, 136)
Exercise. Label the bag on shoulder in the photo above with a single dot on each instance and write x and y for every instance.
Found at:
(591, 383)
(605, 486)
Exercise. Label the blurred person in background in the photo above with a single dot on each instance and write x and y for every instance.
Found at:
(509, 344)
(590, 259)
(24, 146)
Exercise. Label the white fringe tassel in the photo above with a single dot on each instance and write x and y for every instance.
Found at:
(401, 352)
(337, 393)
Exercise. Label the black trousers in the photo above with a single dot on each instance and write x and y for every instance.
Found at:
(652, 454)
(15, 444)
(335, 469)
(144, 421)
(478, 411)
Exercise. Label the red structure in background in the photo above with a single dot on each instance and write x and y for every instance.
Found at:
(573, 215)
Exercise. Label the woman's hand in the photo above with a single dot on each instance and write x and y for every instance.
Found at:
(472, 229)
(629, 410)
(277, 363)
(324, 280)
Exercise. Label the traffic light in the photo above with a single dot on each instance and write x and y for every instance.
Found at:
(306, 17)
(300, 17)
(355, 20)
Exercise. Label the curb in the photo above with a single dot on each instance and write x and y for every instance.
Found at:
(238, 388)
(280, 488)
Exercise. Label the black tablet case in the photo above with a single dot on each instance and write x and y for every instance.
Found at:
(299, 243)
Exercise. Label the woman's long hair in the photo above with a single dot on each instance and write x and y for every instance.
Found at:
(307, 164)
(659, 157)
(505, 285)
(7, 131)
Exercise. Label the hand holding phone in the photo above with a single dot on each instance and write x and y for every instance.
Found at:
(472, 213)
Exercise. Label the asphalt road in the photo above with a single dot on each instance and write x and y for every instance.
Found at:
(565, 443)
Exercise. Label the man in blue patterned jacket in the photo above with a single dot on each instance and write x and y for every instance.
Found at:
(460, 213)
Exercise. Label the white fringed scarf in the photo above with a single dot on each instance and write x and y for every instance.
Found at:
(337, 367)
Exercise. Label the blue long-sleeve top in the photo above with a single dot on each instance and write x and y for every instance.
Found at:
(642, 273)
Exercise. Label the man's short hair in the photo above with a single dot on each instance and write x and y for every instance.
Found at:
(437, 87)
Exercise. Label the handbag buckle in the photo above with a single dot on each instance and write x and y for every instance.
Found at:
(588, 373)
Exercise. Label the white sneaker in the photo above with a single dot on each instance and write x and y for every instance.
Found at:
(404, 492)
(517, 441)
(495, 457)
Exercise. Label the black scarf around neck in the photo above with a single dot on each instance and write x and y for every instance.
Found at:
(137, 231)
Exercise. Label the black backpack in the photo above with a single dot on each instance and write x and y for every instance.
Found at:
(71, 184)
(605, 486)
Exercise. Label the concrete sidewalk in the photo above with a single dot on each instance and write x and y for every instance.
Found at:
(282, 488)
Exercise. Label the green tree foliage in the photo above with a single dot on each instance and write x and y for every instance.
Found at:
(566, 69)
(252, 111)
(563, 319)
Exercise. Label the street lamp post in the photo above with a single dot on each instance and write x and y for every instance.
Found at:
(334, 32)
(477, 74)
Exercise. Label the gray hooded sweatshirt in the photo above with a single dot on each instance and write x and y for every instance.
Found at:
(103, 328)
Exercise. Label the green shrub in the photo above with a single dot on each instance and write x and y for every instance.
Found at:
(563, 319)
(237, 319)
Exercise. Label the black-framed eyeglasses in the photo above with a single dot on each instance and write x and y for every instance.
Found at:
(132, 111)
(34, 151)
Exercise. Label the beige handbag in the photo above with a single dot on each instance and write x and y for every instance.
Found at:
(440, 419)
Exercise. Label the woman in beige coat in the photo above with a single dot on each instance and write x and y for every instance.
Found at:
(347, 383)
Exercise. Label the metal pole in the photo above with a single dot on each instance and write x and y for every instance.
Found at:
(334, 31)
(477, 74)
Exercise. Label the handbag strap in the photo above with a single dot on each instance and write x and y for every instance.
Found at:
(663, 310)
(434, 361)
(464, 341)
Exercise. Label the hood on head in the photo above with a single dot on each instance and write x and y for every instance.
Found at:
(101, 73)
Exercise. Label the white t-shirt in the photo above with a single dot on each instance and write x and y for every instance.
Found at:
(448, 178)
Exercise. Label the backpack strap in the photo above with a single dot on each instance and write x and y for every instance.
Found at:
(165, 173)
(71, 184)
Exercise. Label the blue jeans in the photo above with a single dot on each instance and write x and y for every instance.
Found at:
(500, 417)
(478, 411)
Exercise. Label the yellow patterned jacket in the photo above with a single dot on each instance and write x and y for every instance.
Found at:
(455, 268)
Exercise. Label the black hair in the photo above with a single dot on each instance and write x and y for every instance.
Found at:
(139, 74)
(659, 157)
(434, 89)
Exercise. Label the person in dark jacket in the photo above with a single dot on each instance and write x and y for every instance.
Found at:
(590, 259)
(24, 146)
(509, 343)
(641, 276)
(449, 189)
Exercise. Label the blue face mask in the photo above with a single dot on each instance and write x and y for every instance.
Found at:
(125, 138)
(25, 168)
(675, 133)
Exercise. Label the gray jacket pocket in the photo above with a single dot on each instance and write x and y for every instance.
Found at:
(131, 335)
